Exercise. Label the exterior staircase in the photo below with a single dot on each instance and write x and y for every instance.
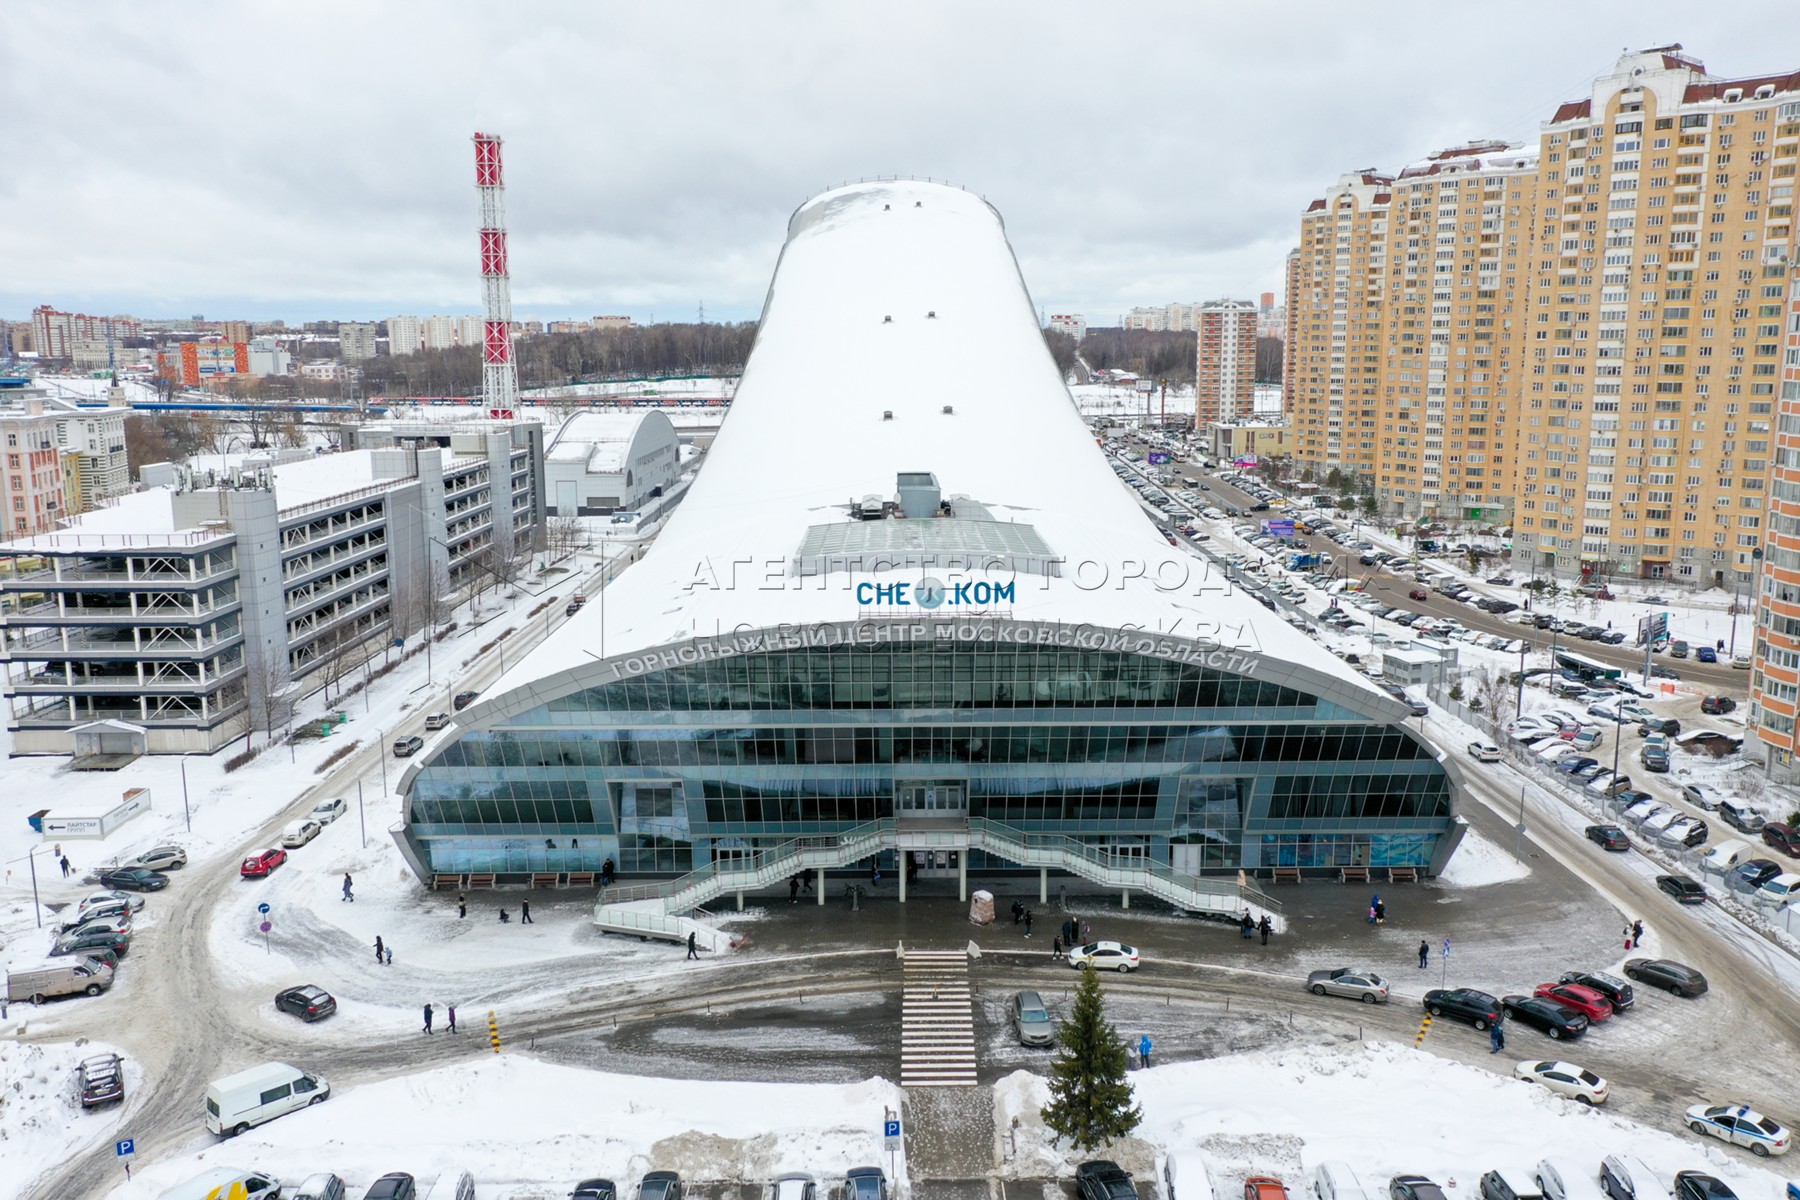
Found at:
(662, 910)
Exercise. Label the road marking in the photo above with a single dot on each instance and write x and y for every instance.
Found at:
(937, 1020)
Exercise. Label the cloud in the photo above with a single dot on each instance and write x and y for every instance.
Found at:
(274, 161)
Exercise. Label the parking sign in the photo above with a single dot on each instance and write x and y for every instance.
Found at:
(125, 1147)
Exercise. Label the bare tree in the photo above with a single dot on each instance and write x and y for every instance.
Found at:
(563, 533)
(271, 697)
(1494, 696)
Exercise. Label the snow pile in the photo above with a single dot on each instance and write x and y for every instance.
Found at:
(1478, 862)
(511, 1120)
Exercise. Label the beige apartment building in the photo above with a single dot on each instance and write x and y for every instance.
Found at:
(1224, 362)
(1337, 282)
(1590, 331)
(1666, 201)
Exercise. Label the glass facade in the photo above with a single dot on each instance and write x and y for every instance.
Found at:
(1200, 769)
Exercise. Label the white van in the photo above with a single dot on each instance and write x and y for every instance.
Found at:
(67, 976)
(1336, 1181)
(1724, 856)
(236, 1102)
(452, 1185)
(226, 1183)
(1188, 1177)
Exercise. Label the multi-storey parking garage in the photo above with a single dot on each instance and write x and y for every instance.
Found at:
(907, 614)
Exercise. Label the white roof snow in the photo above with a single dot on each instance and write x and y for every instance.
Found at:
(898, 336)
(601, 440)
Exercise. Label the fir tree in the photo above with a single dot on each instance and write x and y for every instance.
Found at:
(1090, 1102)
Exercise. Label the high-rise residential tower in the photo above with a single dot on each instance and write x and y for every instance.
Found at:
(1225, 361)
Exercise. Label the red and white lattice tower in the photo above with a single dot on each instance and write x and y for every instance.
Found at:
(499, 374)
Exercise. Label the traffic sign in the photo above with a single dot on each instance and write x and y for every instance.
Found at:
(890, 1132)
(266, 926)
(125, 1147)
(263, 907)
(1446, 947)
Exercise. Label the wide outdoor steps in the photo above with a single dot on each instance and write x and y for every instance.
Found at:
(937, 1020)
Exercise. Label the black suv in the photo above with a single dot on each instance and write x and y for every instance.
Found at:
(1715, 705)
(1465, 1004)
(102, 1080)
(1619, 993)
(1101, 1179)
(660, 1185)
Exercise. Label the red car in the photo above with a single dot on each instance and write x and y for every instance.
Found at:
(1576, 996)
(261, 863)
(1418, 594)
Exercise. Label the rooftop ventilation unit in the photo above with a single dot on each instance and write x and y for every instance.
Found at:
(949, 409)
(887, 414)
(920, 494)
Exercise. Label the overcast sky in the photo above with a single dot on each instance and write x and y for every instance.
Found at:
(313, 160)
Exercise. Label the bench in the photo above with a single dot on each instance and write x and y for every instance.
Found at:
(1403, 874)
(544, 879)
(481, 881)
(581, 878)
(447, 883)
(1353, 874)
(1286, 874)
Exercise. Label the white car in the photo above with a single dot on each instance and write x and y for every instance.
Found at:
(1782, 890)
(1657, 822)
(1677, 832)
(1105, 956)
(327, 811)
(299, 833)
(1565, 1079)
(1741, 1125)
(101, 901)
(1643, 810)
(1484, 752)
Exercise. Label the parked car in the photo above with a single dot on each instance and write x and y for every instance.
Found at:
(114, 912)
(1685, 890)
(1509, 1184)
(327, 811)
(660, 1185)
(99, 900)
(1781, 891)
(1464, 1004)
(1414, 1187)
(1583, 999)
(83, 941)
(595, 1189)
(1565, 1079)
(1717, 705)
(112, 921)
(135, 879)
(1366, 986)
(1784, 838)
(1698, 1185)
(307, 1002)
(396, 1185)
(102, 1079)
(1557, 1021)
(794, 1186)
(1741, 1125)
(322, 1186)
(436, 721)
(1264, 1187)
(1685, 831)
(1677, 978)
(1707, 654)
(298, 833)
(1668, 725)
(1618, 993)
(1102, 1179)
(258, 865)
(161, 858)
(1031, 1020)
(1105, 956)
(1608, 837)
(408, 746)
(1625, 1177)
(865, 1183)
(1485, 752)
(1700, 795)
(1654, 759)
(1752, 873)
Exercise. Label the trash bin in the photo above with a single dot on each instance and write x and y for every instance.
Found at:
(36, 819)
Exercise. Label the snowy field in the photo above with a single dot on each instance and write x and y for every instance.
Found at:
(1384, 1109)
(42, 1122)
(527, 1128)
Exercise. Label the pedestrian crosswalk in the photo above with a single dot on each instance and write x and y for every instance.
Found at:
(937, 1020)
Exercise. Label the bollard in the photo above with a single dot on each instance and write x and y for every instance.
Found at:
(494, 1031)
(1424, 1028)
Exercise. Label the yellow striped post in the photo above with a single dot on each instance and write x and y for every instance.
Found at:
(494, 1030)
(1424, 1028)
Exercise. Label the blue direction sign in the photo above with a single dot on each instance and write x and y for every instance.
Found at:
(262, 908)
(1446, 947)
(125, 1147)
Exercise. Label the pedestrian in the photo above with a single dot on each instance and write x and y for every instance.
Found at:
(693, 947)
(1055, 947)
(378, 948)
(606, 873)
(793, 889)
(1267, 927)
(1247, 924)
(1380, 913)
(875, 875)
(462, 907)
(1028, 922)
(65, 865)
(1144, 1051)
(806, 883)
(1018, 911)
(525, 912)
(1371, 914)
(1086, 934)
(1628, 937)
(390, 956)
(1637, 934)
(503, 917)
(450, 1011)
(1424, 954)
(428, 1018)
(1496, 1036)
(348, 894)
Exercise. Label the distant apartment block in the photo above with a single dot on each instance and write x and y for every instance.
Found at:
(1166, 318)
(605, 324)
(83, 463)
(1225, 361)
(54, 333)
(234, 331)
(440, 332)
(1073, 324)
(406, 335)
(198, 610)
(356, 342)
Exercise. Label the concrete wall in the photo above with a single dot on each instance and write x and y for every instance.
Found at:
(263, 596)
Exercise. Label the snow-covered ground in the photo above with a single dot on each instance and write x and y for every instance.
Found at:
(42, 1122)
(1478, 862)
(1386, 1110)
(523, 1127)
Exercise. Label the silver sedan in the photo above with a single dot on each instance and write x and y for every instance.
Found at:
(1366, 986)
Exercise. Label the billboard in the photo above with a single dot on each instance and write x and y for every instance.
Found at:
(1281, 529)
(1146, 385)
(1159, 458)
